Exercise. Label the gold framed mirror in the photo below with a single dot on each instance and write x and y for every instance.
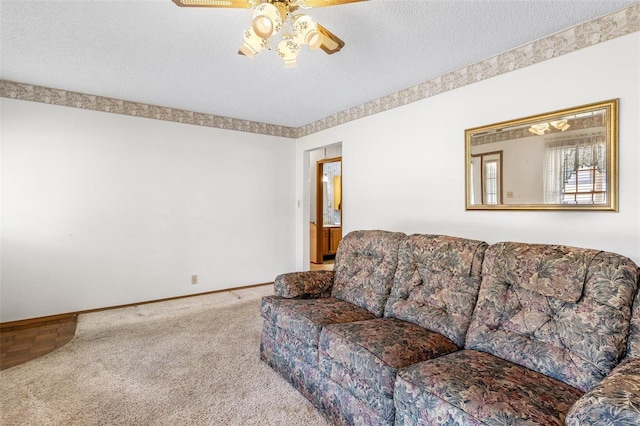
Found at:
(561, 160)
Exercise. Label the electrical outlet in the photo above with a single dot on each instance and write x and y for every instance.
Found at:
(194, 279)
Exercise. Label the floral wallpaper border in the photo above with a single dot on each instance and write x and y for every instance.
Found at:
(608, 27)
(28, 92)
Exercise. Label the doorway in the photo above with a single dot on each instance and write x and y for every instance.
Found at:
(326, 231)
(325, 204)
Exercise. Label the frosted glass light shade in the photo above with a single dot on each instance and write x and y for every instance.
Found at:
(262, 26)
(314, 40)
(288, 50)
(267, 20)
(305, 31)
(253, 43)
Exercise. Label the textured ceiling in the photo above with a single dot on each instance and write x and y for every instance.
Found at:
(152, 51)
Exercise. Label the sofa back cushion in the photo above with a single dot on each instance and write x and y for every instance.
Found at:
(365, 264)
(633, 344)
(562, 311)
(436, 283)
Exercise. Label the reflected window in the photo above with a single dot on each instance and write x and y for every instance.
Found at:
(587, 185)
(491, 182)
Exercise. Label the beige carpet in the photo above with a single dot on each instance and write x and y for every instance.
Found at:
(191, 361)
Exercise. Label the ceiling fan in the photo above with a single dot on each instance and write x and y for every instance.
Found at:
(271, 17)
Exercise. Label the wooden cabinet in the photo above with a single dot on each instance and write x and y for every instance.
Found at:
(325, 241)
(330, 239)
(313, 238)
(335, 235)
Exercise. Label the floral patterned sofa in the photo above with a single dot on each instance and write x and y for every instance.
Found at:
(432, 329)
(616, 399)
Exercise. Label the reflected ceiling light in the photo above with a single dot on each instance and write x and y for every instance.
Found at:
(561, 125)
(270, 17)
(539, 129)
(542, 128)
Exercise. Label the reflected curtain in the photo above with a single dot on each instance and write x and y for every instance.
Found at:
(553, 176)
(565, 156)
(475, 193)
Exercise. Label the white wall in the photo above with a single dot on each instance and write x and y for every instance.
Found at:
(101, 209)
(522, 163)
(418, 185)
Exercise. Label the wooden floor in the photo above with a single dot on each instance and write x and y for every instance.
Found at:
(26, 342)
(326, 266)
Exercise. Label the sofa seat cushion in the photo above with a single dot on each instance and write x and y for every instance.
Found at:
(305, 318)
(471, 387)
(359, 388)
(365, 356)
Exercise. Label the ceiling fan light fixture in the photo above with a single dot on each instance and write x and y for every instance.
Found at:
(271, 16)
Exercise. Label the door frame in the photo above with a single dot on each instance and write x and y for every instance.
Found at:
(498, 159)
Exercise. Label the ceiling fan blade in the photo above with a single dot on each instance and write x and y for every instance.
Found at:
(236, 4)
(322, 3)
(330, 42)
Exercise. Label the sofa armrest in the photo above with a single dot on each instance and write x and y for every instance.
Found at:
(304, 285)
(613, 401)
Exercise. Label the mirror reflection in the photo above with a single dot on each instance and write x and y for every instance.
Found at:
(554, 161)
(332, 193)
